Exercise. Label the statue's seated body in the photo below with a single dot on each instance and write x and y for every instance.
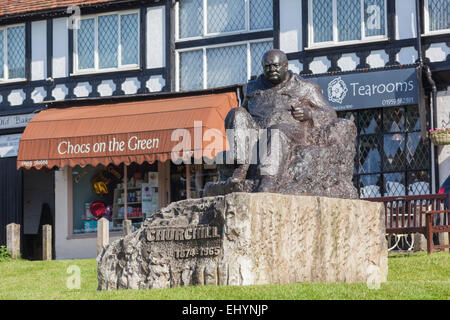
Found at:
(314, 148)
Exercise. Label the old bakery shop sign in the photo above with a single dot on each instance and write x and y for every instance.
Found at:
(16, 121)
(114, 145)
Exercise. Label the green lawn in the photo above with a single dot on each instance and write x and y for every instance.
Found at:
(411, 276)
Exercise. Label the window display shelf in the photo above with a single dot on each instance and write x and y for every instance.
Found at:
(129, 218)
(128, 203)
(132, 206)
(129, 188)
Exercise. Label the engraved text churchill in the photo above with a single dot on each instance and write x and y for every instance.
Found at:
(182, 234)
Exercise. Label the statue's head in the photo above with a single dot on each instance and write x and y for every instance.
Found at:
(275, 66)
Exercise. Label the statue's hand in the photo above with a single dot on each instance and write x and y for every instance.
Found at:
(301, 113)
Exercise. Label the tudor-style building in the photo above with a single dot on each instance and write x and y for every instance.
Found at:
(84, 52)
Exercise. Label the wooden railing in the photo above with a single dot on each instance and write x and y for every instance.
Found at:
(404, 214)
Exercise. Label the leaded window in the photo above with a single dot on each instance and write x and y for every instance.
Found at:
(437, 16)
(199, 18)
(107, 42)
(191, 70)
(12, 53)
(212, 67)
(343, 21)
(392, 159)
(218, 62)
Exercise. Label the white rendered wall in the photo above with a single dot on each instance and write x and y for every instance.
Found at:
(60, 48)
(16, 97)
(106, 88)
(348, 62)
(405, 19)
(39, 50)
(156, 37)
(81, 248)
(437, 52)
(443, 121)
(291, 25)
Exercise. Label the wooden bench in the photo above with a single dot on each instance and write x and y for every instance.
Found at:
(432, 227)
(405, 214)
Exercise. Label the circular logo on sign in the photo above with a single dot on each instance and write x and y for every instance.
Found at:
(337, 90)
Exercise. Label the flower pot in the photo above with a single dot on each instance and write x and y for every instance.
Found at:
(440, 137)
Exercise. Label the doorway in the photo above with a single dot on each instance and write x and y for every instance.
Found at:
(38, 209)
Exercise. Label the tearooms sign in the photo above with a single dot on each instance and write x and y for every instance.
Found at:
(370, 89)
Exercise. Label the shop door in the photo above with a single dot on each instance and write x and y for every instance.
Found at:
(38, 210)
(10, 196)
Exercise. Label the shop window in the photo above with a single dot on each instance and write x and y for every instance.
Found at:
(437, 16)
(12, 53)
(99, 192)
(199, 176)
(418, 183)
(393, 152)
(370, 154)
(370, 122)
(211, 67)
(223, 16)
(394, 184)
(346, 21)
(369, 186)
(392, 158)
(416, 151)
(107, 42)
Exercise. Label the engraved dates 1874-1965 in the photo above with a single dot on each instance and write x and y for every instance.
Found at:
(197, 252)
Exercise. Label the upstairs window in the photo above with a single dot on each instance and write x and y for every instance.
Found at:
(345, 21)
(107, 42)
(437, 16)
(201, 18)
(217, 62)
(12, 53)
(213, 67)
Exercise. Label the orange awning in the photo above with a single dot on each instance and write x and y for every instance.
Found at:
(123, 132)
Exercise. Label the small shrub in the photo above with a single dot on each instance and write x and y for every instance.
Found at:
(4, 253)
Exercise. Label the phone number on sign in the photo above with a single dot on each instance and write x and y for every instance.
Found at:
(197, 252)
(398, 101)
(35, 163)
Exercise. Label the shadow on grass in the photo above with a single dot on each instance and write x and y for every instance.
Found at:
(403, 255)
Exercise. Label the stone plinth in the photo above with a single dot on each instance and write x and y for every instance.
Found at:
(250, 238)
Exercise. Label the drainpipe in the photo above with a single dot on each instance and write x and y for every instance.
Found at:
(419, 33)
(433, 122)
(434, 95)
(433, 125)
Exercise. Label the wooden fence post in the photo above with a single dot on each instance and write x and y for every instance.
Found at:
(13, 239)
(102, 234)
(46, 242)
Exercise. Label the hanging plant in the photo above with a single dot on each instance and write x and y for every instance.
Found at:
(440, 137)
